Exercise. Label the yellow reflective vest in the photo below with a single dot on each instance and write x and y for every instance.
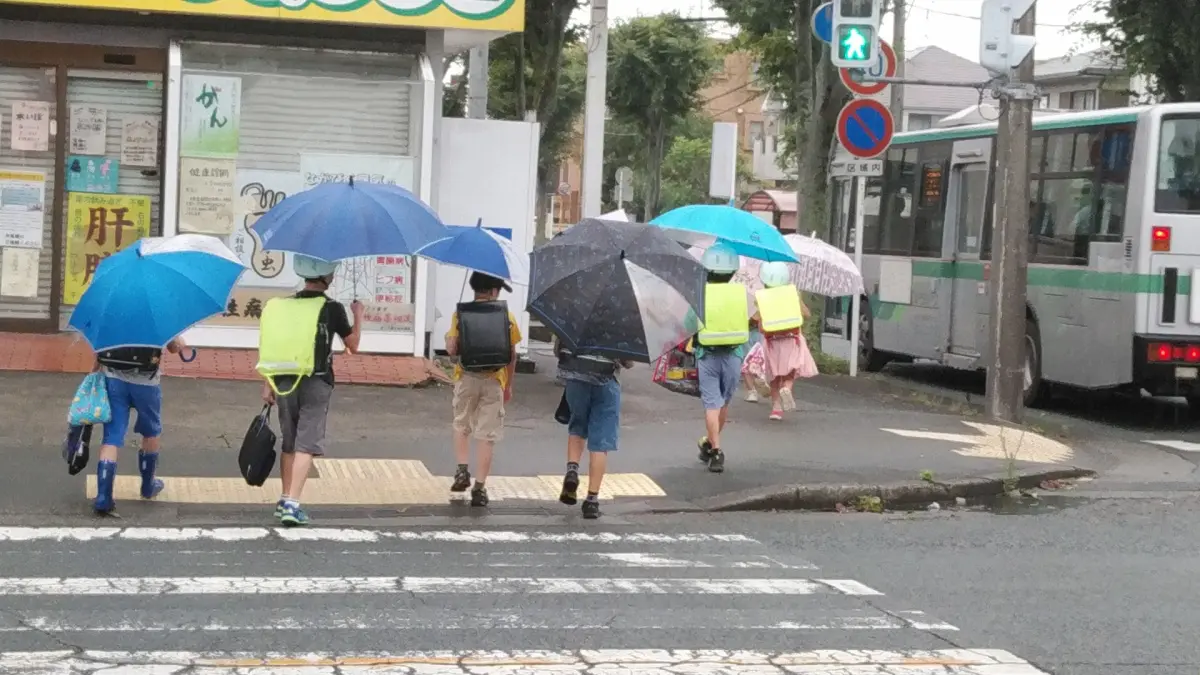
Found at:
(726, 316)
(779, 309)
(287, 339)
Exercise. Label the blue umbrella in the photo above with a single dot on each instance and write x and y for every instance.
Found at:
(336, 221)
(704, 224)
(479, 250)
(154, 290)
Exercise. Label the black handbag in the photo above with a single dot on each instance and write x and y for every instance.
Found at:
(256, 459)
(563, 414)
(76, 448)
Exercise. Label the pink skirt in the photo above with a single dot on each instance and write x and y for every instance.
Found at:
(788, 356)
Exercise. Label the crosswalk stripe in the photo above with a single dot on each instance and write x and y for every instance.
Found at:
(159, 586)
(643, 662)
(352, 535)
(404, 620)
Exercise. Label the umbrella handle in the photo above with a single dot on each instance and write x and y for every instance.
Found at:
(188, 359)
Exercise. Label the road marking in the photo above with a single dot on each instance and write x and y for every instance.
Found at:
(370, 482)
(458, 585)
(998, 442)
(642, 661)
(404, 620)
(1184, 446)
(354, 536)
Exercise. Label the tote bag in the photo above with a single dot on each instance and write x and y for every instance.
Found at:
(256, 459)
(90, 405)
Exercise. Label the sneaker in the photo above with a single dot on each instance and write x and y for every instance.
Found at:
(705, 448)
(776, 415)
(591, 509)
(279, 509)
(479, 496)
(789, 401)
(752, 396)
(716, 461)
(293, 515)
(462, 481)
(570, 489)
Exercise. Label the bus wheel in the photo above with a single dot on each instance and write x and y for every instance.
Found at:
(1034, 390)
(869, 359)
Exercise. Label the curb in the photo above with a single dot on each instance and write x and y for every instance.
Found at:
(825, 497)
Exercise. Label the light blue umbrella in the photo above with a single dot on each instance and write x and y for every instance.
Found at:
(152, 291)
(704, 224)
(336, 221)
(479, 249)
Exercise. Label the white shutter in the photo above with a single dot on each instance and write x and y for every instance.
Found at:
(120, 97)
(300, 100)
(30, 84)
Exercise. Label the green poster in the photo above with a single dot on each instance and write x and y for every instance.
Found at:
(211, 112)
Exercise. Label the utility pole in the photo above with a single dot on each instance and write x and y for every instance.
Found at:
(594, 110)
(899, 16)
(1010, 239)
(477, 83)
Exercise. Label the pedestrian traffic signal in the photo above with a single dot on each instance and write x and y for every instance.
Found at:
(854, 43)
(856, 33)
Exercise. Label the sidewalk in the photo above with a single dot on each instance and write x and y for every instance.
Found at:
(389, 452)
(68, 353)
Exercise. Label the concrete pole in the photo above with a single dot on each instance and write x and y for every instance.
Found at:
(593, 111)
(1010, 243)
(899, 15)
(858, 192)
(477, 83)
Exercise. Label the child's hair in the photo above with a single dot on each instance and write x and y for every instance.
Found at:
(485, 283)
(720, 277)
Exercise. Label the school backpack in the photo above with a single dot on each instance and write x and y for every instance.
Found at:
(143, 360)
(484, 336)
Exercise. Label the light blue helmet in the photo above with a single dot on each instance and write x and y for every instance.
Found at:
(308, 267)
(721, 258)
(774, 274)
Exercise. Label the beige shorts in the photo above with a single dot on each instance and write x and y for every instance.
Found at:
(479, 407)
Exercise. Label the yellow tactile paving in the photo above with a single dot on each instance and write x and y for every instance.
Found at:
(372, 482)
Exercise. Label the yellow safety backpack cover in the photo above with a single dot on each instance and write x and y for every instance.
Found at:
(287, 339)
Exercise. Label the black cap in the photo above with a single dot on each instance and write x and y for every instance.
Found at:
(481, 282)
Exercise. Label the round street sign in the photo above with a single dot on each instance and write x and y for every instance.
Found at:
(865, 128)
(822, 23)
(885, 66)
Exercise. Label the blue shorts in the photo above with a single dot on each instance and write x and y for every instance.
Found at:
(595, 413)
(719, 373)
(124, 397)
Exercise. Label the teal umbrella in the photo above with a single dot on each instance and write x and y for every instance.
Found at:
(705, 224)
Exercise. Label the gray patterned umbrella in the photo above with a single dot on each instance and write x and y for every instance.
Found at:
(621, 290)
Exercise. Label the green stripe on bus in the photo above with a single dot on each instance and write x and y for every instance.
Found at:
(1046, 123)
(1057, 277)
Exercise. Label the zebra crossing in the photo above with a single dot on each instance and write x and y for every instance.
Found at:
(334, 601)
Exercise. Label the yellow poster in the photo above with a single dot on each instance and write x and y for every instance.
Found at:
(492, 15)
(97, 227)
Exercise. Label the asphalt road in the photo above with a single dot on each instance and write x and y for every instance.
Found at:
(1086, 588)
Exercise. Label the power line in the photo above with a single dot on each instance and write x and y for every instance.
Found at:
(930, 10)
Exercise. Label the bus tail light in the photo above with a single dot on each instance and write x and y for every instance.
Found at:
(1160, 239)
(1161, 352)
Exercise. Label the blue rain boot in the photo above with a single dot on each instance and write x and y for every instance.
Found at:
(106, 474)
(147, 463)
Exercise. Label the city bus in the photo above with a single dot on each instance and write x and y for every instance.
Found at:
(1114, 246)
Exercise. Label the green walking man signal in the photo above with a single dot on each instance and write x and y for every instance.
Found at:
(854, 43)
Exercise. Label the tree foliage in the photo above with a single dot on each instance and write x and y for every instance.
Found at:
(1155, 38)
(657, 66)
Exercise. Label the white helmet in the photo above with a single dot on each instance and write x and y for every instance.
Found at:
(308, 267)
(721, 258)
(774, 274)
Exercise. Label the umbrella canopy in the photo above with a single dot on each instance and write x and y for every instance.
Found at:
(479, 250)
(621, 290)
(154, 290)
(823, 269)
(705, 224)
(335, 221)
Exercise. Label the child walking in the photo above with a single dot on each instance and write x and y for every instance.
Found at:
(483, 335)
(781, 314)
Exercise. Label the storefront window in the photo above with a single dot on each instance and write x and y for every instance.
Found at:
(258, 124)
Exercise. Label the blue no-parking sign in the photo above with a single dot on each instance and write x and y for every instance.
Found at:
(865, 128)
(822, 23)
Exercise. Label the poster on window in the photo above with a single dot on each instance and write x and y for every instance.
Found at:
(206, 195)
(92, 174)
(139, 140)
(19, 272)
(22, 208)
(97, 227)
(210, 117)
(30, 126)
(382, 283)
(89, 130)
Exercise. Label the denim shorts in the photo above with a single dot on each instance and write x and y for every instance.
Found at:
(719, 373)
(595, 413)
(125, 397)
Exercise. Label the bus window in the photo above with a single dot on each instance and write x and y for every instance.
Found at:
(1177, 185)
(931, 200)
(899, 186)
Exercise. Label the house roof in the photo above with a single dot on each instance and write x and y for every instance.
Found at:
(783, 201)
(1095, 63)
(935, 63)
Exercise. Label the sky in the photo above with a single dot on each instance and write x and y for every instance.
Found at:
(952, 25)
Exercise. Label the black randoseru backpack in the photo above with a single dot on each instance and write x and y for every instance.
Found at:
(484, 336)
(131, 359)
